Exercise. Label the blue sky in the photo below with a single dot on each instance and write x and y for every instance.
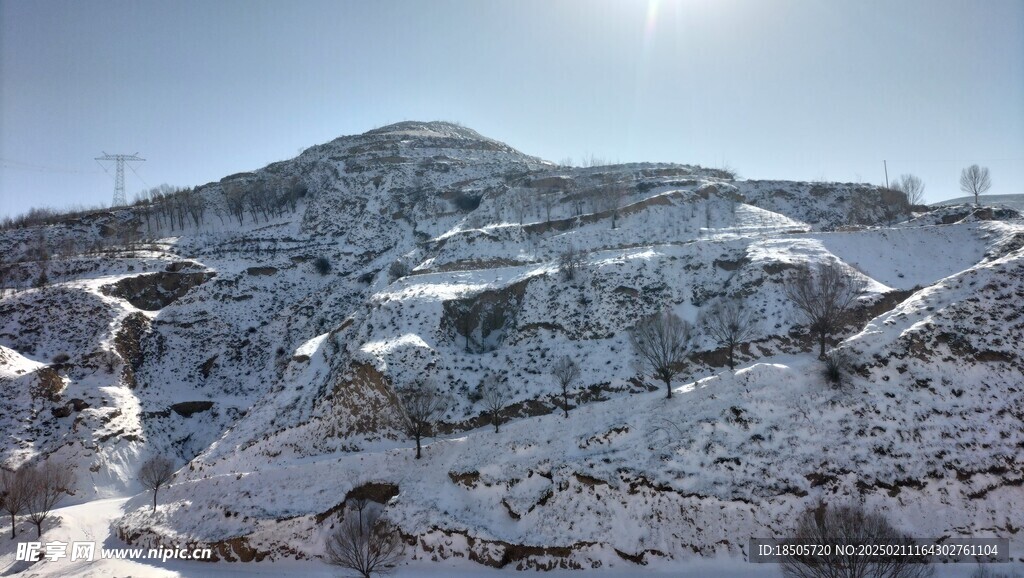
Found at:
(787, 89)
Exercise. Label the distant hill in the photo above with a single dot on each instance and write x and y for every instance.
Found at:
(1012, 201)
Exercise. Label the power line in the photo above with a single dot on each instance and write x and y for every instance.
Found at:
(23, 166)
(144, 183)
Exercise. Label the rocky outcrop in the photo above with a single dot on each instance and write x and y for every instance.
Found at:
(363, 401)
(380, 492)
(189, 408)
(48, 384)
(154, 291)
(128, 343)
(480, 322)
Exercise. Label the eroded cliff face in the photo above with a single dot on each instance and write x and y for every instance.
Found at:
(154, 291)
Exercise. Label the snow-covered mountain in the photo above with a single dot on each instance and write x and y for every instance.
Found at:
(259, 343)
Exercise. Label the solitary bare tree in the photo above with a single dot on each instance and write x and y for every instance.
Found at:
(974, 180)
(912, 187)
(366, 543)
(854, 526)
(47, 486)
(823, 298)
(155, 473)
(495, 396)
(14, 493)
(661, 343)
(565, 372)
(422, 404)
(570, 263)
(730, 324)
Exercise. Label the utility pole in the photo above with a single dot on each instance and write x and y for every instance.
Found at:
(119, 199)
(886, 166)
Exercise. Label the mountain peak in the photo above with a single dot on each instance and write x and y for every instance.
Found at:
(435, 128)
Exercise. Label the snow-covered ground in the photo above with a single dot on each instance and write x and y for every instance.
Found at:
(92, 522)
(1012, 201)
(270, 381)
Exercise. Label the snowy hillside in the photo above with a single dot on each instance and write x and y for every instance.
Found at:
(1011, 201)
(260, 343)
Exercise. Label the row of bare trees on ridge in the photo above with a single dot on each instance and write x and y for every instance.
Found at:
(974, 181)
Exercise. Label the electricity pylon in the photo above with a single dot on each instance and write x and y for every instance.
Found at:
(119, 200)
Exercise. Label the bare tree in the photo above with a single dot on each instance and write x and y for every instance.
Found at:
(155, 473)
(661, 343)
(219, 211)
(609, 200)
(730, 324)
(824, 298)
(912, 187)
(974, 180)
(257, 200)
(368, 544)
(836, 367)
(144, 208)
(297, 189)
(565, 372)
(983, 571)
(464, 320)
(422, 404)
(577, 208)
(570, 263)
(359, 506)
(234, 199)
(40, 247)
(495, 396)
(194, 204)
(547, 201)
(854, 526)
(520, 205)
(177, 202)
(156, 201)
(15, 487)
(48, 484)
(43, 279)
